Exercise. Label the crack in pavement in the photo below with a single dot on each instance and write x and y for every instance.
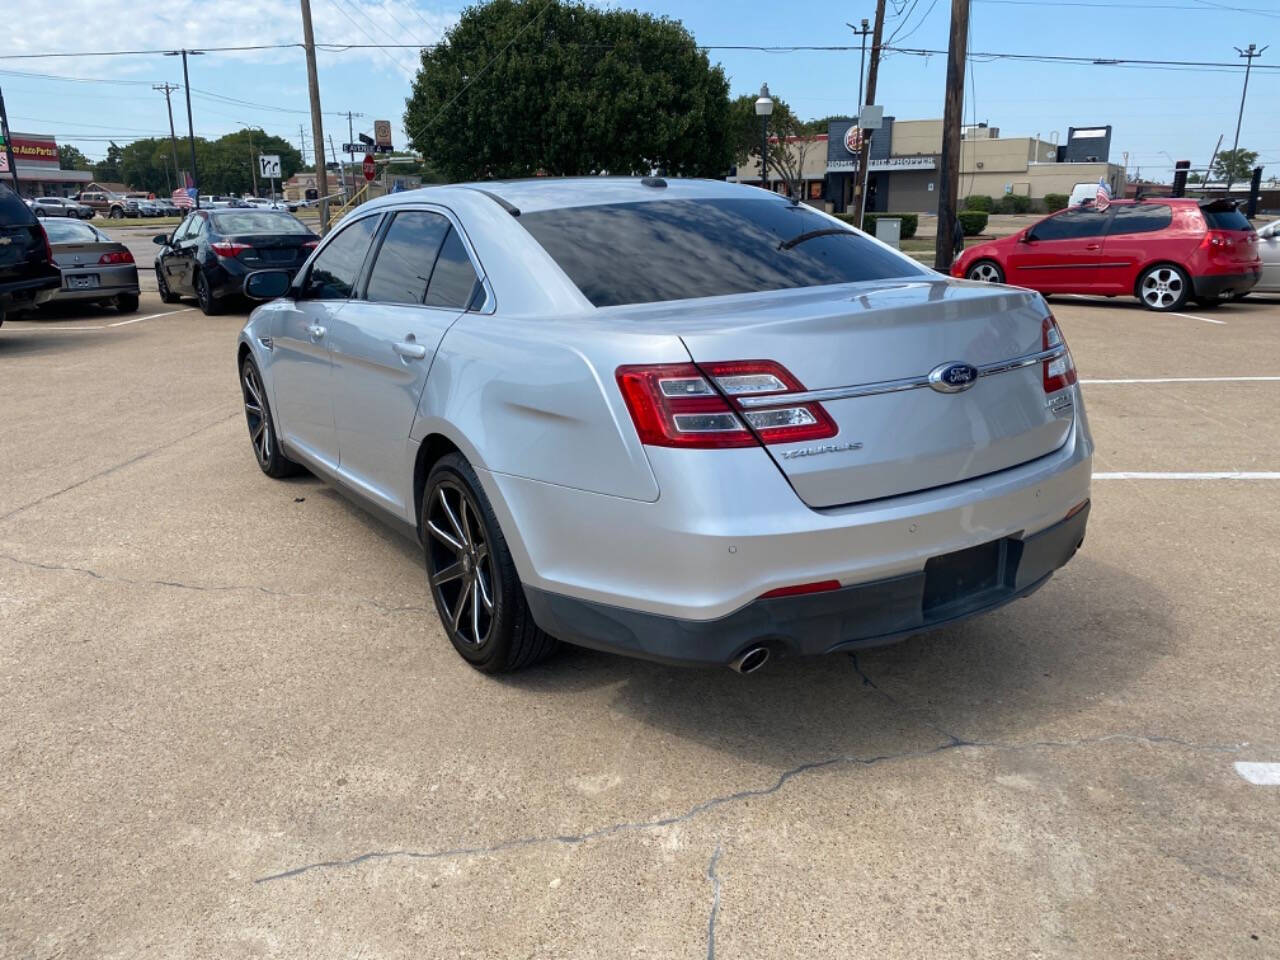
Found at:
(715, 903)
(119, 466)
(207, 588)
(632, 826)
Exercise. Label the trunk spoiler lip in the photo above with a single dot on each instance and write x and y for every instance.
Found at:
(891, 386)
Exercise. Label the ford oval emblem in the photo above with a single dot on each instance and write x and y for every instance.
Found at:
(953, 377)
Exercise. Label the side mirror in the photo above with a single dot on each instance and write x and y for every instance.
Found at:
(161, 240)
(1026, 237)
(267, 284)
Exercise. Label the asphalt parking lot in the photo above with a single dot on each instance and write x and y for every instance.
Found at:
(233, 727)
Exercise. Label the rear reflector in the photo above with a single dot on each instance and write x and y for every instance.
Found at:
(1060, 372)
(689, 405)
(818, 586)
(1076, 509)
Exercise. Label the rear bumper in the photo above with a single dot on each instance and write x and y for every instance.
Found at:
(853, 617)
(1215, 285)
(227, 275)
(112, 281)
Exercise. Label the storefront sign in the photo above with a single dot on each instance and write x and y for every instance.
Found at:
(919, 162)
(853, 140)
(35, 151)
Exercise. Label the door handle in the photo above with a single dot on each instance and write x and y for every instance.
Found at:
(410, 350)
(316, 331)
(1093, 246)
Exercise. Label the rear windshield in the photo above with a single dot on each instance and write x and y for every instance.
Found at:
(70, 231)
(682, 249)
(256, 221)
(12, 209)
(1220, 218)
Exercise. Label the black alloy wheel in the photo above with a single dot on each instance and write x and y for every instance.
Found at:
(473, 579)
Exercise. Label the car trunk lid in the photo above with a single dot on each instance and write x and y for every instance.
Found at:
(281, 250)
(871, 348)
(71, 256)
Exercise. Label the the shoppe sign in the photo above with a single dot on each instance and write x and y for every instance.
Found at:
(927, 161)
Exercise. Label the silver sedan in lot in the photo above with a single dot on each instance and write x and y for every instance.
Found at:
(1269, 251)
(94, 267)
(682, 420)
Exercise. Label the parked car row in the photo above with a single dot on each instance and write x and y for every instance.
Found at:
(1164, 251)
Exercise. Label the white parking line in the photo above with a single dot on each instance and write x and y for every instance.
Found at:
(1190, 380)
(1205, 475)
(1261, 774)
(150, 316)
(1192, 316)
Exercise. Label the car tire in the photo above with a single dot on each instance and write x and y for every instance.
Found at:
(986, 271)
(127, 303)
(166, 295)
(210, 306)
(262, 427)
(473, 579)
(1164, 287)
(117, 213)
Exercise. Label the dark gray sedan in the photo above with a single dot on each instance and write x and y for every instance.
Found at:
(94, 267)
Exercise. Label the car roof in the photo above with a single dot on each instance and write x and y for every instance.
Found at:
(551, 193)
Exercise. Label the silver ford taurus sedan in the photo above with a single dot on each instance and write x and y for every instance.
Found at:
(681, 420)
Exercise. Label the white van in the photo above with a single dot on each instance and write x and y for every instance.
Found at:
(1082, 192)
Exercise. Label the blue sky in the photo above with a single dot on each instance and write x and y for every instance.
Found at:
(1157, 113)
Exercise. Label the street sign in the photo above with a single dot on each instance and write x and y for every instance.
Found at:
(382, 133)
(364, 148)
(370, 171)
(365, 138)
(871, 117)
(268, 165)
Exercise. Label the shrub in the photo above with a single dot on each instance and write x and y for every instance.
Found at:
(972, 222)
(1013, 203)
(1055, 201)
(977, 202)
(910, 222)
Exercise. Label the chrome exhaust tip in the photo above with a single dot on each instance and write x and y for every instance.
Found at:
(749, 660)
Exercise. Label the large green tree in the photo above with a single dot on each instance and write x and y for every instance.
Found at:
(1234, 164)
(70, 158)
(224, 166)
(521, 87)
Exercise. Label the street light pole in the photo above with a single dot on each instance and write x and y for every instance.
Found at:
(862, 63)
(191, 130)
(1248, 55)
(764, 107)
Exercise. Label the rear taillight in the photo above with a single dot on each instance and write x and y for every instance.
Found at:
(116, 256)
(1217, 240)
(689, 405)
(48, 249)
(310, 244)
(1059, 372)
(228, 248)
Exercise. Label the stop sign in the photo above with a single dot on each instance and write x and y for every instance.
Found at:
(369, 170)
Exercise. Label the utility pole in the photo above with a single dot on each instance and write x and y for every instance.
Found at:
(952, 118)
(167, 88)
(862, 63)
(317, 127)
(253, 162)
(302, 140)
(10, 159)
(1209, 171)
(334, 153)
(191, 130)
(1248, 55)
(864, 155)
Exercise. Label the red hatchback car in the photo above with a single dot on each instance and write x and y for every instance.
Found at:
(1163, 251)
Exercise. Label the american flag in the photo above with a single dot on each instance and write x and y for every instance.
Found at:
(182, 199)
(1103, 198)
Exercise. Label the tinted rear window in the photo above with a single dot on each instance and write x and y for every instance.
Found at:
(680, 249)
(1223, 219)
(12, 209)
(256, 222)
(1141, 218)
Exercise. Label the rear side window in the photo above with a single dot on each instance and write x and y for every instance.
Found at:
(454, 283)
(681, 249)
(1220, 218)
(1070, 225)
(333, 275)
(403, 264)
(1141, 218)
